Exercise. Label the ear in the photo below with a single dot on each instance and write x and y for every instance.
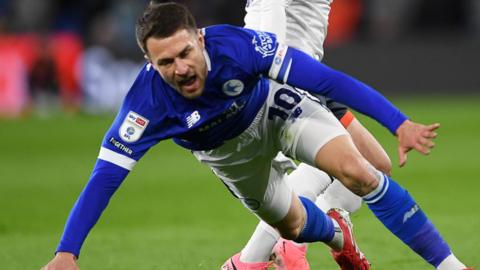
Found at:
(200, 38)
(150, 62)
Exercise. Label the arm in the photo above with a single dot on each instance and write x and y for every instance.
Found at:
(288, 65)
(300, 70)
(262, 54)
(118, 155)
(104, 181)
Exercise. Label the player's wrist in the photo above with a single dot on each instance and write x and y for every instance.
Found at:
(66, 255)
(401, 126)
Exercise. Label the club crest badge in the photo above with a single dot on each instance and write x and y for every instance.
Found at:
(233, 88)
(132, 127)
(264, 44)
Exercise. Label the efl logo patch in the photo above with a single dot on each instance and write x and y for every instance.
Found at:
(263, 43)
(277, 70)
(233, 88)
(133, 127)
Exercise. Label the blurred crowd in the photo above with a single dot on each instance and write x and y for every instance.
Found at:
(64, 55)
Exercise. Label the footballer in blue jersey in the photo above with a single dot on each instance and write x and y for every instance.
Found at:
(212, 92)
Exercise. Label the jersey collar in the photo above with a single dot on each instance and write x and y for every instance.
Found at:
(205, 53)
(207, 59)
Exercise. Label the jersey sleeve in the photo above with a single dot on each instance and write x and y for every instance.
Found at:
(104, 181)
(128, 139)
(250, 49)
(300, 70)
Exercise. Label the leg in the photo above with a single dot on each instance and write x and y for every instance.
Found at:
(272, 200)
(337, 195)
(392, 205)
(369, 147)
(309, 182)
(260, 245)
(340, 158)
(264, 238)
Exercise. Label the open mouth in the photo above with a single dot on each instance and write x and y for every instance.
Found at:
(188, 81)
(189, 84)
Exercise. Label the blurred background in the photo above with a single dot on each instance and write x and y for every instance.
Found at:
(81, 56)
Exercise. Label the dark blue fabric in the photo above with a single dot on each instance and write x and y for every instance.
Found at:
(397, 210)
(429, 244)
(318, 226)
(104, 181)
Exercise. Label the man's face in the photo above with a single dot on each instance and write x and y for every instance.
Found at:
(180, 61)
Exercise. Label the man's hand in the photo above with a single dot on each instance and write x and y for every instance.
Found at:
(62, 261)
(416, 136)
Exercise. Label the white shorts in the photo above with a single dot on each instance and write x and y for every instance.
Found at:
(291, 121)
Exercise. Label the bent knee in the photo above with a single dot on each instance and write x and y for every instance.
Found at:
(358, 175)
(292, 224)
(384, 165)
(290, 233)
(291, 229)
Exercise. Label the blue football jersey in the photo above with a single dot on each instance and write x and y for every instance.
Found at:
(234, 92)
(240, 63)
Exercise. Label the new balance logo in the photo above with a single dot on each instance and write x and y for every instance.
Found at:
(193, 118)
(410, 213)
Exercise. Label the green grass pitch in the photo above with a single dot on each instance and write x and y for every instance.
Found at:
(172, 213)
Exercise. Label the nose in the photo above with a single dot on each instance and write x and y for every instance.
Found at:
(181, 68)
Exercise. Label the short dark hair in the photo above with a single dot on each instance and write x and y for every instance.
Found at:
(162, 20)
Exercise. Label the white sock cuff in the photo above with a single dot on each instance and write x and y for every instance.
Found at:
(260, 245)
(451, 263)
(270, 230)
(377, 193)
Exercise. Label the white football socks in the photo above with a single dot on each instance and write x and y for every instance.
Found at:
(451, 263)
(308, 182)
(259, 247)
(338, 196)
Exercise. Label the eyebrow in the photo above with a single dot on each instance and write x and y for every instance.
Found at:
(182, 52)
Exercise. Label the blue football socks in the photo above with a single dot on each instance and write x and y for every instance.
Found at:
(397, 210)
(318, 226)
